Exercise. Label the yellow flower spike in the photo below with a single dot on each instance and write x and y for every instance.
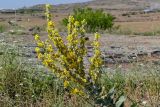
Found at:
(45, 62)
(71, 55)
(84, 80)
(48, 6)
(66, 84)
(75, 91)
(40, 56)
(91, 60)
(76, 24)
(70, 38)
(40, 44)
(36, 37)
(37, 49)
(69, 28)
(48, 16)
(71, 19)
(96, 44)
(51, 24)
(97, 52)
(49, 61)
(97, 36)
(66, 74)
(48, 56)
(83, 30)
(49, 48)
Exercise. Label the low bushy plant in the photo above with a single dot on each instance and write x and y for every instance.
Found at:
(66, 60)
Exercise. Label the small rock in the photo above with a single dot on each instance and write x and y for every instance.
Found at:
(132, 56)
(142, 54)
(155, 53)
(109, 61)
(114, 47)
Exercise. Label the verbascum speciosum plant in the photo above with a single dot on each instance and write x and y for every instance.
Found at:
(66, 60)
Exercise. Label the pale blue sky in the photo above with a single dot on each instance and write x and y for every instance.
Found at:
(10, 4)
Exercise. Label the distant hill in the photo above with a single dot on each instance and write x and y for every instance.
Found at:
(107, 5)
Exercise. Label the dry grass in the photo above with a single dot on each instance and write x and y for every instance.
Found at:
(141, 27)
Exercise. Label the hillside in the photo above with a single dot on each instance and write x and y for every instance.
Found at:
(124, 5)
(118, 8)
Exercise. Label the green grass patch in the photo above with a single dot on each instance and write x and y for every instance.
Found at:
(2, 28)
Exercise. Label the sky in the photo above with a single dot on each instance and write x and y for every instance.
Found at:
(14, 4)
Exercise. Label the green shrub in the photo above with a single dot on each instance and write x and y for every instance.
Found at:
(96, 19)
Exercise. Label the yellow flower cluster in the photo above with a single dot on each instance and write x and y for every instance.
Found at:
(67, 60)
(96, 60)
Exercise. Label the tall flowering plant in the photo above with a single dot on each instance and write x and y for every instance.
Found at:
(66, 60)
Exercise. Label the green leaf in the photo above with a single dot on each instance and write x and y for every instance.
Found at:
(111, 92)
(120, 101)
(134, 105)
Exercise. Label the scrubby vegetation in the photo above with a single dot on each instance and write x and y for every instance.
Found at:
(96, 19)
(25, 86)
